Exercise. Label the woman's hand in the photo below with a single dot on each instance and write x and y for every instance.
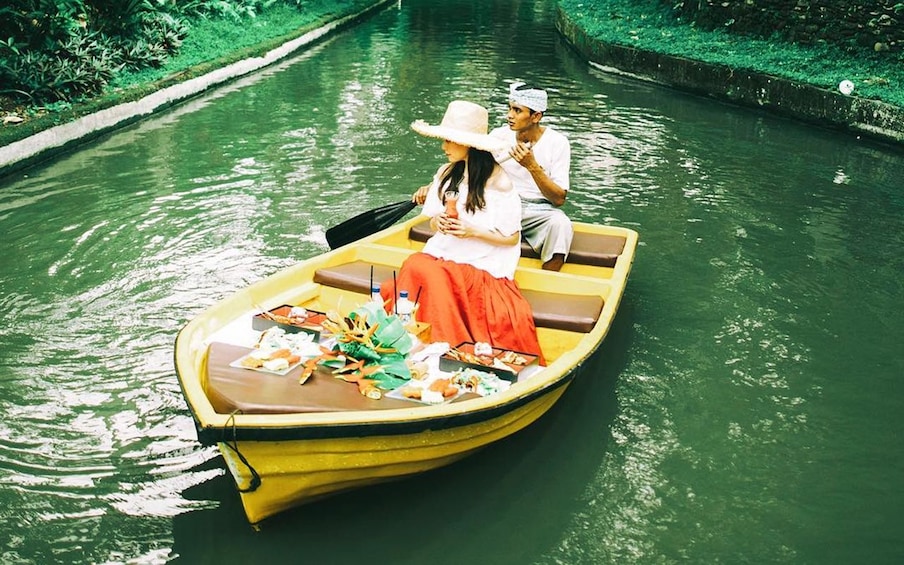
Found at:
(458, 228)
(452, 226)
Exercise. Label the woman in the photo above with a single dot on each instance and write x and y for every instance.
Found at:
(464, 277)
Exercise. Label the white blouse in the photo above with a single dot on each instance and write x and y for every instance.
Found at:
(502, 213)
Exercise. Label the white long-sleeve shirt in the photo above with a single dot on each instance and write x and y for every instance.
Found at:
(502, 213)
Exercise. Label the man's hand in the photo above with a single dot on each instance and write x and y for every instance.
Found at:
(420, 195)
(523, 154)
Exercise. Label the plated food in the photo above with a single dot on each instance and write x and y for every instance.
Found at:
(278, 352)
(292, 319)
(262, 361)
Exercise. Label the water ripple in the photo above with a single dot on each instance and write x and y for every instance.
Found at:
(766, 295)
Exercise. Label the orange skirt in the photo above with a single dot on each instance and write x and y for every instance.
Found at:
(465, 304)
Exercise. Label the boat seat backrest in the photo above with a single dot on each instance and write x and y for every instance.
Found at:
(550, 309)
(598, 250)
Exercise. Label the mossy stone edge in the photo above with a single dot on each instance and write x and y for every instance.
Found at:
(819, 106)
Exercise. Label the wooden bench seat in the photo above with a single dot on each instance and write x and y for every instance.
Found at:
(551, 310)
(594, 249)
(256, 392)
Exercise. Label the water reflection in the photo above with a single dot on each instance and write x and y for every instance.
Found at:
(728, 404)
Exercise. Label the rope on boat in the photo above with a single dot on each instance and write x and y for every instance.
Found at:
(234, 446)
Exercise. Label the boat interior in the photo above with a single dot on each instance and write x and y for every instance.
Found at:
(562, 318)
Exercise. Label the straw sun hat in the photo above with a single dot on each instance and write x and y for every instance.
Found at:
(464, 123)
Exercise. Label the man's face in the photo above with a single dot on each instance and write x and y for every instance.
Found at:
(520, 117)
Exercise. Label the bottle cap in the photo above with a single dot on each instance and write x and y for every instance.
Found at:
(403, 294)
(375, 288)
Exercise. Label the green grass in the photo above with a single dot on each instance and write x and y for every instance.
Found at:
(228, 39)
(651, 27)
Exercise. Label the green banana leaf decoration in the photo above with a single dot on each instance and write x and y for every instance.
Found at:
(391, 341)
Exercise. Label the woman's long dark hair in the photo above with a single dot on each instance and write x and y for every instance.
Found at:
(480, 167)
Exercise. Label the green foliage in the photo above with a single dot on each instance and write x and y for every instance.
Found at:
(122, 18)
(82, 63)
(38, 24)
(225, 40)
(232, 9)
(64, 49)
(8, 47)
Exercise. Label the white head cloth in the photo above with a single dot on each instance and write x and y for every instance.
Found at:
(533, 98)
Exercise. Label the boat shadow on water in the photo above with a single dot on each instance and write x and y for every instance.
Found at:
(508, 503)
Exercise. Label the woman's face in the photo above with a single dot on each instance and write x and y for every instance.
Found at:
(454, 151)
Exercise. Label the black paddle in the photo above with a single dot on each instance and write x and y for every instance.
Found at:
(367, 223)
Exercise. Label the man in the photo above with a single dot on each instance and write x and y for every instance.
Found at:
(539, 165)
(539, 168)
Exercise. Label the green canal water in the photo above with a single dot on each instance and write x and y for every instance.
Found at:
(743, 409)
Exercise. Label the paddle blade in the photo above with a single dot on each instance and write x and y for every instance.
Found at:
(367, 223)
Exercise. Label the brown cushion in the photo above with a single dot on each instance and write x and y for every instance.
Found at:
(574, 313)
(353, 277)
(551, 310)
(594, 249)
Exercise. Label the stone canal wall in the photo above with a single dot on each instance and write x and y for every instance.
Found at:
(857, 25)
(820, 106)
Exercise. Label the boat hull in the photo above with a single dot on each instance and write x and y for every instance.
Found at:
(295, 472)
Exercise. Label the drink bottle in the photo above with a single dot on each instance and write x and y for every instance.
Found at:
(375, 294)
(451, 201)
(405, 308)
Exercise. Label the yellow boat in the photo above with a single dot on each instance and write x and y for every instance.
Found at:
(286, 444)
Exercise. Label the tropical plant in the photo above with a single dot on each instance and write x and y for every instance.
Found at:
(64, 49)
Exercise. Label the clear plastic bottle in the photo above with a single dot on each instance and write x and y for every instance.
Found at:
(405, 308)
(375, 296)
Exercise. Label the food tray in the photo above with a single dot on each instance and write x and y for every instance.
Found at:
(450, 364)
(312, 324)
